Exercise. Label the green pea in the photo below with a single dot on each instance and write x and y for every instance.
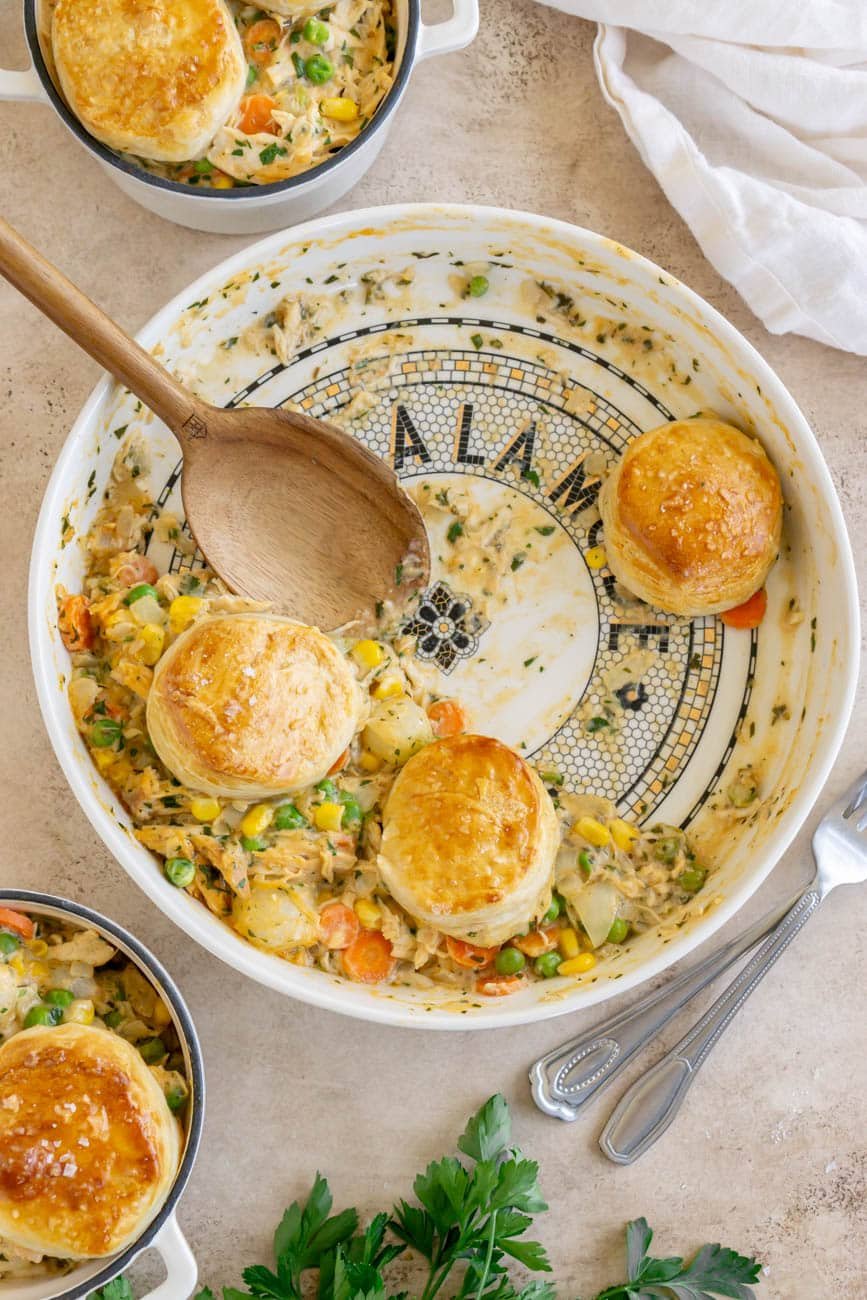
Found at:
(547, 965)
(351, 810)
(509, 961)
(553, 912)
(254, 843)
(692, 879)
(329, 790)
(59, 997)
(318, 69)
(287, 817)
(9, 943)
(478, 286)
(176, 1098)
(585, 862)
(105, 732)
(180, 872)
(143, 589)
(113, 1019)
(619, 930)
(43, 1015)
(152, 1050)
(667, 848)
(315, 32)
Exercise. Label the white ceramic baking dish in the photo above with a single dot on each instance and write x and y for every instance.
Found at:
(163, 1233)
(468, 374)
(251, 210)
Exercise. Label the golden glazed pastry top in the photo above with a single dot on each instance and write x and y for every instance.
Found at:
(252, 705)
(156, 78)
(692, 515)
(88, 1146)
(469, 839)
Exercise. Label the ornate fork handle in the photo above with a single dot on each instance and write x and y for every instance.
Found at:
(646, 1109)
(565, 1079)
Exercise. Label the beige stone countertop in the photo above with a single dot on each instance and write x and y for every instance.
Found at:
(769, 1154)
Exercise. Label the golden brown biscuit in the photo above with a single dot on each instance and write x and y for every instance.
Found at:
(156, 78)
(252, 705)
(469, 839)
(88, 1146)
(692, 515)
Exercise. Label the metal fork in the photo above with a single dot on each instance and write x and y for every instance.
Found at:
(646, 1109)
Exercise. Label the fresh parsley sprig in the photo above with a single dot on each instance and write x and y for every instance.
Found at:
(469, 1223)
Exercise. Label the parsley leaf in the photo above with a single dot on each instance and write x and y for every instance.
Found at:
(715, 1271)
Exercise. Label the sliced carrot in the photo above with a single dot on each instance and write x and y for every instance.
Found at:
(261, 40)
(74, 623)
(16, 921)
(749, 614)
(537, 941)
(256, 113)
(448, 718)
(138, 568)
(470, 955)
(369, 958)
(498, 986)
(338, 925)
(339, 763)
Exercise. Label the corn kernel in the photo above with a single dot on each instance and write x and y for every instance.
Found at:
(592, 831)
(369, 762)
(162, 1016)
(623, 835)
(386, 687)
(17, 963)
(116, 626)
(103, 758)
(205, 810)
(221, 183)
(182, 611)
(596, 557)
(257, 819)
(153, 639)
(568, 942)
(579, 965)
(368, 913)
(38, 947)
(79, 1012)
(38, 970)
(368, 654)
(339, 109)
(328, 816)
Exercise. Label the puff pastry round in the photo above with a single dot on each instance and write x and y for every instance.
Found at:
(252, 705)
(88, 1146)
(692, 515)
(469, 837)
(156, 78)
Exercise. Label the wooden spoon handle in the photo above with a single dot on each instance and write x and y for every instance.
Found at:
(89, 327)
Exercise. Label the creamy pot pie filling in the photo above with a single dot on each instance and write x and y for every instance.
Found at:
(301, 876)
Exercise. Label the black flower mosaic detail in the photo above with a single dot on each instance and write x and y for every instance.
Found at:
(632, 695)
(445, 627)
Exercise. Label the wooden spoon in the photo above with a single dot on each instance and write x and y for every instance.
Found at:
(284, 507)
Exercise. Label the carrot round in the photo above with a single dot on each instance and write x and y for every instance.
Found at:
(368, 958)
(448, 718)
(16, 921)
(470, 955)
(261, 40)
(749, 614)
(74, 623)
(537, 941)
(256, 113)
(137, 569)
(498, 986)
(338, 925)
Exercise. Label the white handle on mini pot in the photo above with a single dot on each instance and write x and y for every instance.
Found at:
(182, 1270)
(23, 85)
(454, 34)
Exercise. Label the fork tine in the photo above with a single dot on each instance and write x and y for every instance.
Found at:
(853, 799)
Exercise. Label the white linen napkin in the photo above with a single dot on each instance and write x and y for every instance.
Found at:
(752, 116)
